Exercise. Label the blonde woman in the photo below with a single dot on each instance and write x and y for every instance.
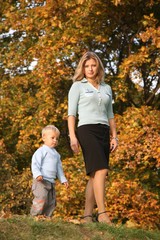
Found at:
(90, 98)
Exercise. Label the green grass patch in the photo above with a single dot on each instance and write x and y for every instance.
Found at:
(27, 228)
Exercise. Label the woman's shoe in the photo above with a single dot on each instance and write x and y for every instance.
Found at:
(87, 219)
(104, 219)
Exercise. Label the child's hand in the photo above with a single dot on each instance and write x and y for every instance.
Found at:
(66, 184)
(39, 178)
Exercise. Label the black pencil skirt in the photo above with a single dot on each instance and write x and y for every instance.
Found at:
(95, 143)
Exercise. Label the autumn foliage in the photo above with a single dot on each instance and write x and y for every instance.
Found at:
(134, 190)
(41, 43)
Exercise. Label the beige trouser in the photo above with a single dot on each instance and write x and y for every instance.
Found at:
(44, 201)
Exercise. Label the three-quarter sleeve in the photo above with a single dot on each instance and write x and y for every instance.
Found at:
(73, 98)
(110, 113)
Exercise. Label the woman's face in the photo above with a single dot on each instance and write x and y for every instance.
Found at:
(90, 69)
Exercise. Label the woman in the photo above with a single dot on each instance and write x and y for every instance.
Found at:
(91, 99)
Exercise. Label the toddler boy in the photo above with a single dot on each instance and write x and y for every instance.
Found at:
(46, 166)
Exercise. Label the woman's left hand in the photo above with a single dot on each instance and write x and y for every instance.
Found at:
(113, 144)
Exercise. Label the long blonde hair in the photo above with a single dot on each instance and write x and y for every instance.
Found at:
(79, 72)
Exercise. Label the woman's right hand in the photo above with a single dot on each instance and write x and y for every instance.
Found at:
(74, 145)
(73, 139)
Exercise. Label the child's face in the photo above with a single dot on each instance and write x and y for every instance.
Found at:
(50, 138)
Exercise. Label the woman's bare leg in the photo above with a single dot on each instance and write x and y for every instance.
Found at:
(89, 201)
(99, 193)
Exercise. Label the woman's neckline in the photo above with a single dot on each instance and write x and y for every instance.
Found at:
(95, 85)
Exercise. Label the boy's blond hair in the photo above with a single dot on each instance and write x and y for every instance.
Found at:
(50, 127)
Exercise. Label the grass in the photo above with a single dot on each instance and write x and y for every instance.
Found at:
(27, 228)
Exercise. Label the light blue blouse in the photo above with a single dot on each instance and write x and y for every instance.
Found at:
(92, 105)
